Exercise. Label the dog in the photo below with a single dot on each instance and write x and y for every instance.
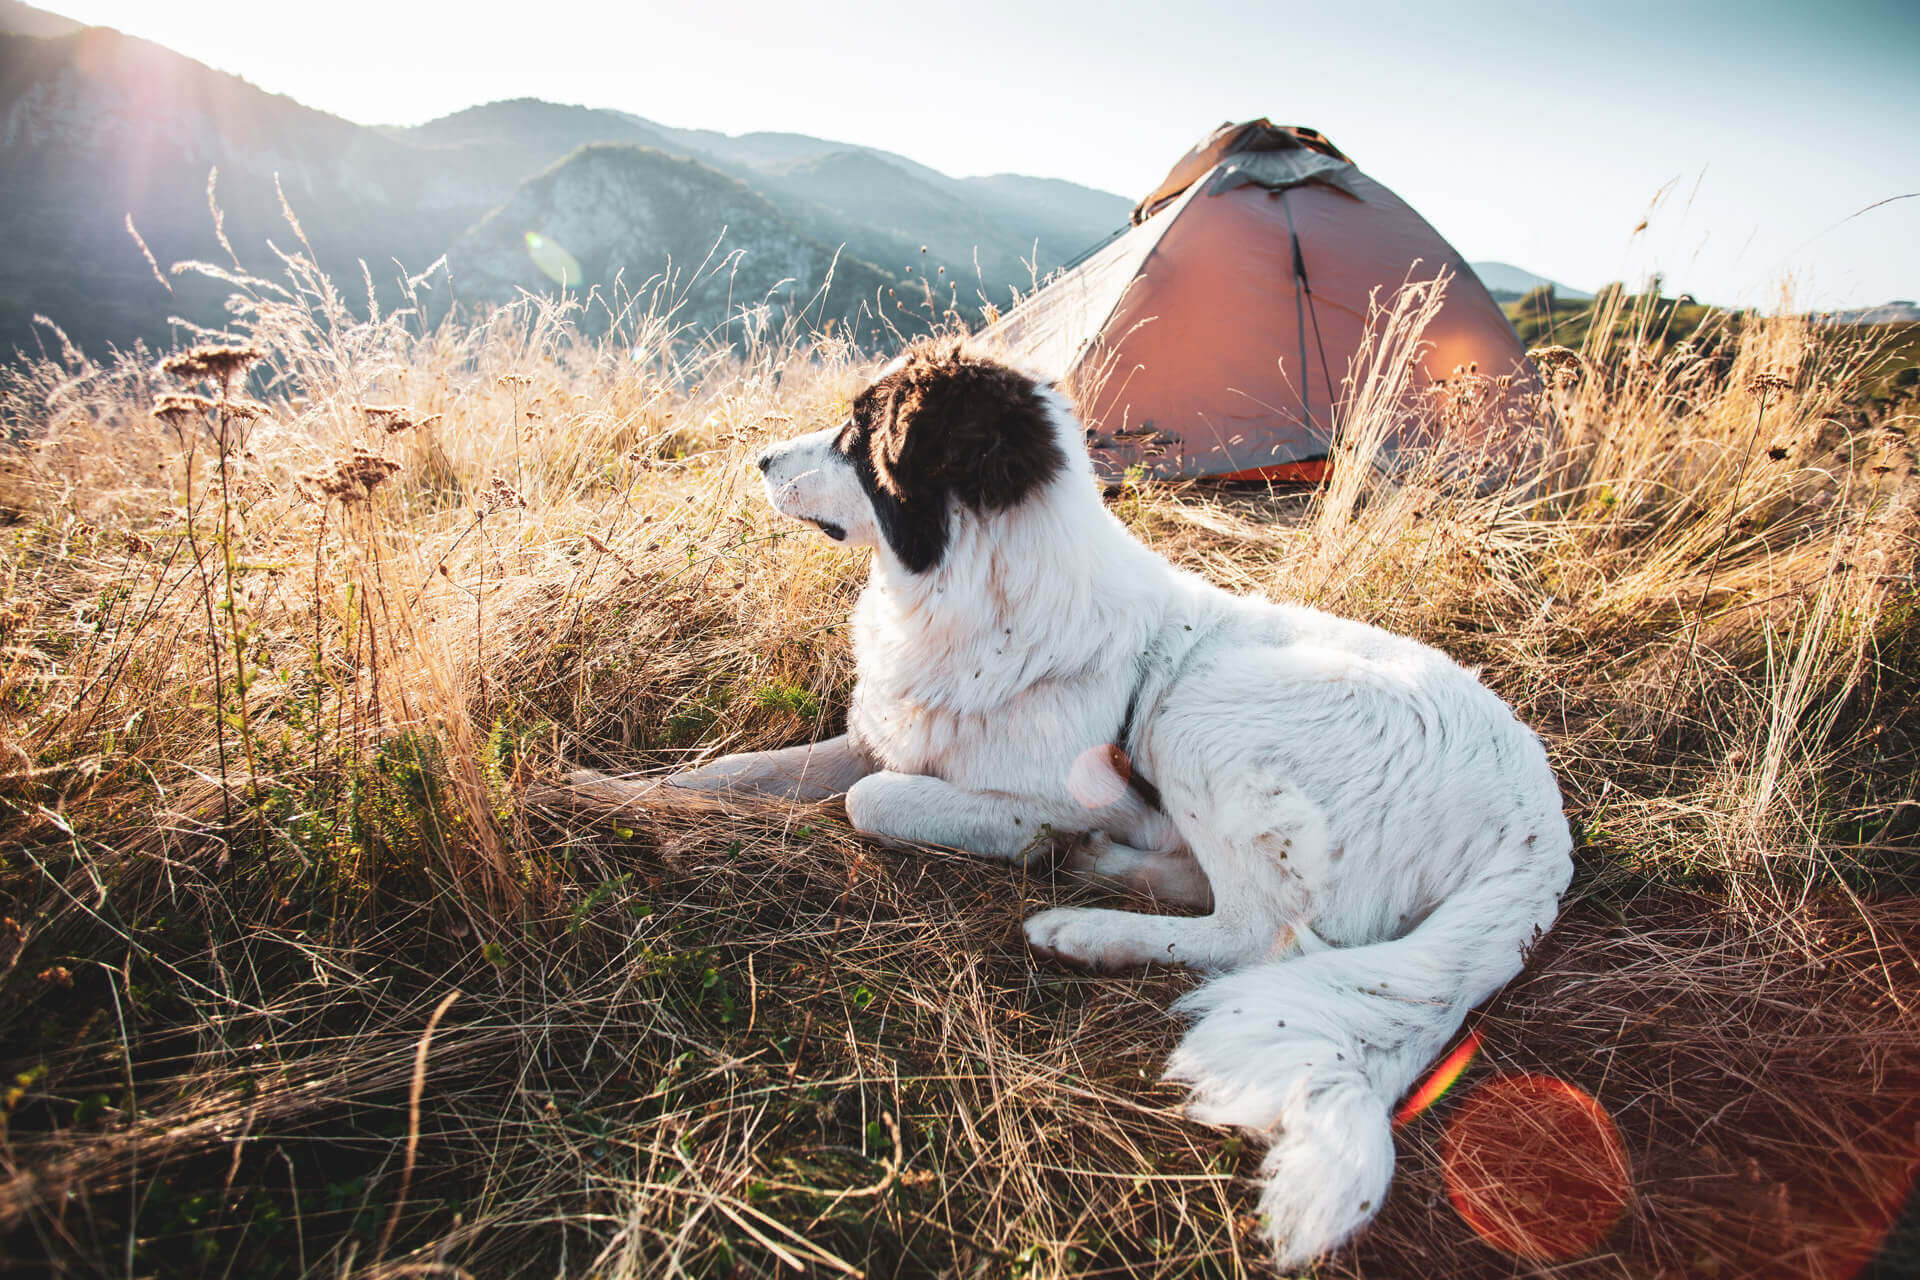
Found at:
(1375, 839)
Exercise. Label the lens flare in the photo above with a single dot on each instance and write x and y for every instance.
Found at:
(1439, 1080)
(1536, 1167)
(555, 263)
(1099, 776)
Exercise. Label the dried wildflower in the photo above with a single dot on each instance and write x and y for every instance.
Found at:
(514, 380)
(245, 410)
(178, 408)
(252, 489)
(57, 976)
(353, 477)
(499, 494)
(599, 546)
(311, 486)
(215, 362)
(390, 418)
(1769, 384)
(136, 545)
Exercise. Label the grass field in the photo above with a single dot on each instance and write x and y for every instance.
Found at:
(1889, 385)
(296, 976)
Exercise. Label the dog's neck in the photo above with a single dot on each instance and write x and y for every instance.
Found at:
(1050, 589)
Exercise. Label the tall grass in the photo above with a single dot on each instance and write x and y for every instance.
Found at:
(274, 703)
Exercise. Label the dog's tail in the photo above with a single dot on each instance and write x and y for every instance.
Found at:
(1310, 1053)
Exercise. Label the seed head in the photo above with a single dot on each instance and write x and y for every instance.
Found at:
(218, 363)
(498, 494)
(179, 408)
(352, 478)
(245, 410)
(1769, 384)
(391, 418)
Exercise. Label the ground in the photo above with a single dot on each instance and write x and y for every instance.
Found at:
(305, 968)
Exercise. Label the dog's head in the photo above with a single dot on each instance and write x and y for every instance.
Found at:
(940, 434)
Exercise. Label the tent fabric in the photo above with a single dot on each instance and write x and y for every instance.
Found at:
(1252, 138)
(1214, 336)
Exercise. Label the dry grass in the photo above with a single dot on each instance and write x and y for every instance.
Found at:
(270, 708)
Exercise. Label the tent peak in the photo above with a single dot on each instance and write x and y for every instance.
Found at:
(1232, 139)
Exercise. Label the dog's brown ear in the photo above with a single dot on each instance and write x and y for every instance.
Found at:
(897, 471)
(954, 424)
(946, 427)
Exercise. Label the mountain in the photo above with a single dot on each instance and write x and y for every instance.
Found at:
(901, 211)
(880, 205)
(96, 125)
(18, 19)
(614, 217)
(1064, 214)
(1507, 282)
(1899, 311)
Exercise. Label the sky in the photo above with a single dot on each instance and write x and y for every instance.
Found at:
(1749, 137)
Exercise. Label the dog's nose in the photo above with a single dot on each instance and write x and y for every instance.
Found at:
(764, 461)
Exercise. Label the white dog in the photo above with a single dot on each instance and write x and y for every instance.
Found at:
(1376, 839)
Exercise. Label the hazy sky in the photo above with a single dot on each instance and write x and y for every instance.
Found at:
(1538, 134)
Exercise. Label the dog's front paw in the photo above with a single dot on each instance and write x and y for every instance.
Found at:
(1085, 937)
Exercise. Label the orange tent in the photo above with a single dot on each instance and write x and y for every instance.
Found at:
(1212, 338)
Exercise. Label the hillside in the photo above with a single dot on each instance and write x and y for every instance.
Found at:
(1882, 385)
(880, 205)
(96, 126)
(1507, 282)
(24, 20)
(622, 216)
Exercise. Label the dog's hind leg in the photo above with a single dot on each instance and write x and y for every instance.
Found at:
(1171, 878)
(1260, 848)
(811, 771)
(926, 810)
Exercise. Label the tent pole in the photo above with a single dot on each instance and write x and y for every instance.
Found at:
(1305, 286)
(1299, 307)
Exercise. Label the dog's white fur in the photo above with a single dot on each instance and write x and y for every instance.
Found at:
(1379, 840)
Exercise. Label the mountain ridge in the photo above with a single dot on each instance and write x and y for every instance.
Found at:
(586, 202)
(1507, 282)
(97, 126)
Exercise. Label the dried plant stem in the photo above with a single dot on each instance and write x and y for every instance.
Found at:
(225, 425)
(319, 658)
(1713, 569)
(414, 1093)
(480, 607)
(188, 448)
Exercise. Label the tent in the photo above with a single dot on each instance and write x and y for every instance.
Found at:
(1213, 335)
